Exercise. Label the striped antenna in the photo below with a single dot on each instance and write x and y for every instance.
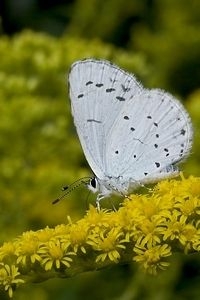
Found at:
(69, 188)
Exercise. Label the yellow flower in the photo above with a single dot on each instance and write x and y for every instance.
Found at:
(196, 242)
(188, 206)
(189, 237)
(151, 258)
(192, 185)
(27, 248)
(96, 219)
(54, 254)
(78, 236)
(150, 233)
(109, 243)
(174, 226)
(7, 251)
(44, 235)
(8, 277)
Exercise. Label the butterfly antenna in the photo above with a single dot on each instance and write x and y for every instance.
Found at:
(71, 187)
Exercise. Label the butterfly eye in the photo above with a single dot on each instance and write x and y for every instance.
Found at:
(93, 183)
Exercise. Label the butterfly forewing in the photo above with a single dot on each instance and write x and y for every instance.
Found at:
(98, 92)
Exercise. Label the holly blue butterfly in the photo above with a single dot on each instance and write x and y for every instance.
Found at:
(130, 135)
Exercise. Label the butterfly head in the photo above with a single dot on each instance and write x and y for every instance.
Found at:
(103, 187)
(108, 185)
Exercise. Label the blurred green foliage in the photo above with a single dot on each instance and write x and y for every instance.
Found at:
(166, 31)
(39, 148)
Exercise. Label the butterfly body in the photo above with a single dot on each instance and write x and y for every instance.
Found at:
(111, 185)
(130, 135)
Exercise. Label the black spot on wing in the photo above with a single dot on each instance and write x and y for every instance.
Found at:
(120, 98)
(126, 118)
(149, 117)
(110, 90)
(93, 120)
(80, 96)
(132, 129)
(157, 164)
(99, 85)
(183, 131)
(89, 82)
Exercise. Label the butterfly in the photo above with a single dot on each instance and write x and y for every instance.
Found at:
(130, 135)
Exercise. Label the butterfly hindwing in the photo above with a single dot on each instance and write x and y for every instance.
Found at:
(151, 134)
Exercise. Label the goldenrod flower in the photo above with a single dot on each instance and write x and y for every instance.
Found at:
(7, 251)
(152, 258)
(55, 254)
(146, 229)
(27, 248)
(8, 278)
(78, 236)
(109, 243)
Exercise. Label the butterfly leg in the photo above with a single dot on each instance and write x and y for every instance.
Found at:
(99, 197)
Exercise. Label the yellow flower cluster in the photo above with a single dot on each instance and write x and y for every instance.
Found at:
(146, 229)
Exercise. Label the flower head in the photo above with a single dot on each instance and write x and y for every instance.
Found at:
(54, 254)
(152, 258)
(10, 278)
(109, 244)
